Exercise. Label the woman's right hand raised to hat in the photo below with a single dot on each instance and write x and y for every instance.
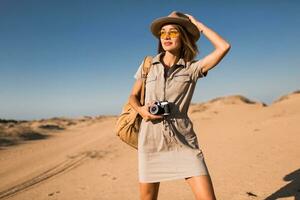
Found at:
(146, 115)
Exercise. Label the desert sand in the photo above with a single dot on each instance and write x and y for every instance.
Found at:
(251, 149)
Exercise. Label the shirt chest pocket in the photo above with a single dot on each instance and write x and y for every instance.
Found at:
(181, 82)
(150, 82)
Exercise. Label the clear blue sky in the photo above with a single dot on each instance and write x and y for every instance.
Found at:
(78, 58)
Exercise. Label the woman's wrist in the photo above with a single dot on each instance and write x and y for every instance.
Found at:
(139, 109)
(200, 27)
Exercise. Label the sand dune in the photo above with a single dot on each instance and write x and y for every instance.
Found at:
(251, 149)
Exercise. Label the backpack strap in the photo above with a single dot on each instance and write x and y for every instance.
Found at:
(146, 68)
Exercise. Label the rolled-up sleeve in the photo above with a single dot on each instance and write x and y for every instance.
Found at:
(197, 69)
(138, 74)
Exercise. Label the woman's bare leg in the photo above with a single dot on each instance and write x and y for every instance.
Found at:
(149, 191)
(202, 187)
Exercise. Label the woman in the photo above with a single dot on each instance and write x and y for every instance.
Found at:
(167, 146)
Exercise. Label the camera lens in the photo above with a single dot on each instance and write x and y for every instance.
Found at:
(154, 109)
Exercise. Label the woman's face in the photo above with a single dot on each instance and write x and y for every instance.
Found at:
(170, 38)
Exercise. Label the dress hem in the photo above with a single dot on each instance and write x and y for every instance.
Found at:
(173, 178)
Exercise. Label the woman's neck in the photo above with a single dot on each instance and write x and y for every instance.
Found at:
(169, 58)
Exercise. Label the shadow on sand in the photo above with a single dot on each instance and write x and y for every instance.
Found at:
(292, 189)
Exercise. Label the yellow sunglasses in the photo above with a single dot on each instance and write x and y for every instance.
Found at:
(172, 34)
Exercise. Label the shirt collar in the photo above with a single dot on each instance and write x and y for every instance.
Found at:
(156, 60)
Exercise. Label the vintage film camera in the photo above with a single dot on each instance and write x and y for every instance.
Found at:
(160, 108)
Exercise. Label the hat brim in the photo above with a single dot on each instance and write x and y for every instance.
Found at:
(189, 26)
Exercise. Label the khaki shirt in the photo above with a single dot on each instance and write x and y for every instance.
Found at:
(177, 88)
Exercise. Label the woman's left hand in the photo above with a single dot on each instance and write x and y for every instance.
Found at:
(193, 20)
(197, 23)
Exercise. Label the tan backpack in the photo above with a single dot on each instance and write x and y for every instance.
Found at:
(129, 121)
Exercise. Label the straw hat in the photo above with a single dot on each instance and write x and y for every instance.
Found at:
(175, 18)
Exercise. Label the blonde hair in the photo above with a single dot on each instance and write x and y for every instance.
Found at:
(189, 49)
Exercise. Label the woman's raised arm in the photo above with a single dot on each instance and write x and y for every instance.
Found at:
(220, 44)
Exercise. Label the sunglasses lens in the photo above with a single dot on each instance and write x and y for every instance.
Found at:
(172, 34)
(163, 34)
